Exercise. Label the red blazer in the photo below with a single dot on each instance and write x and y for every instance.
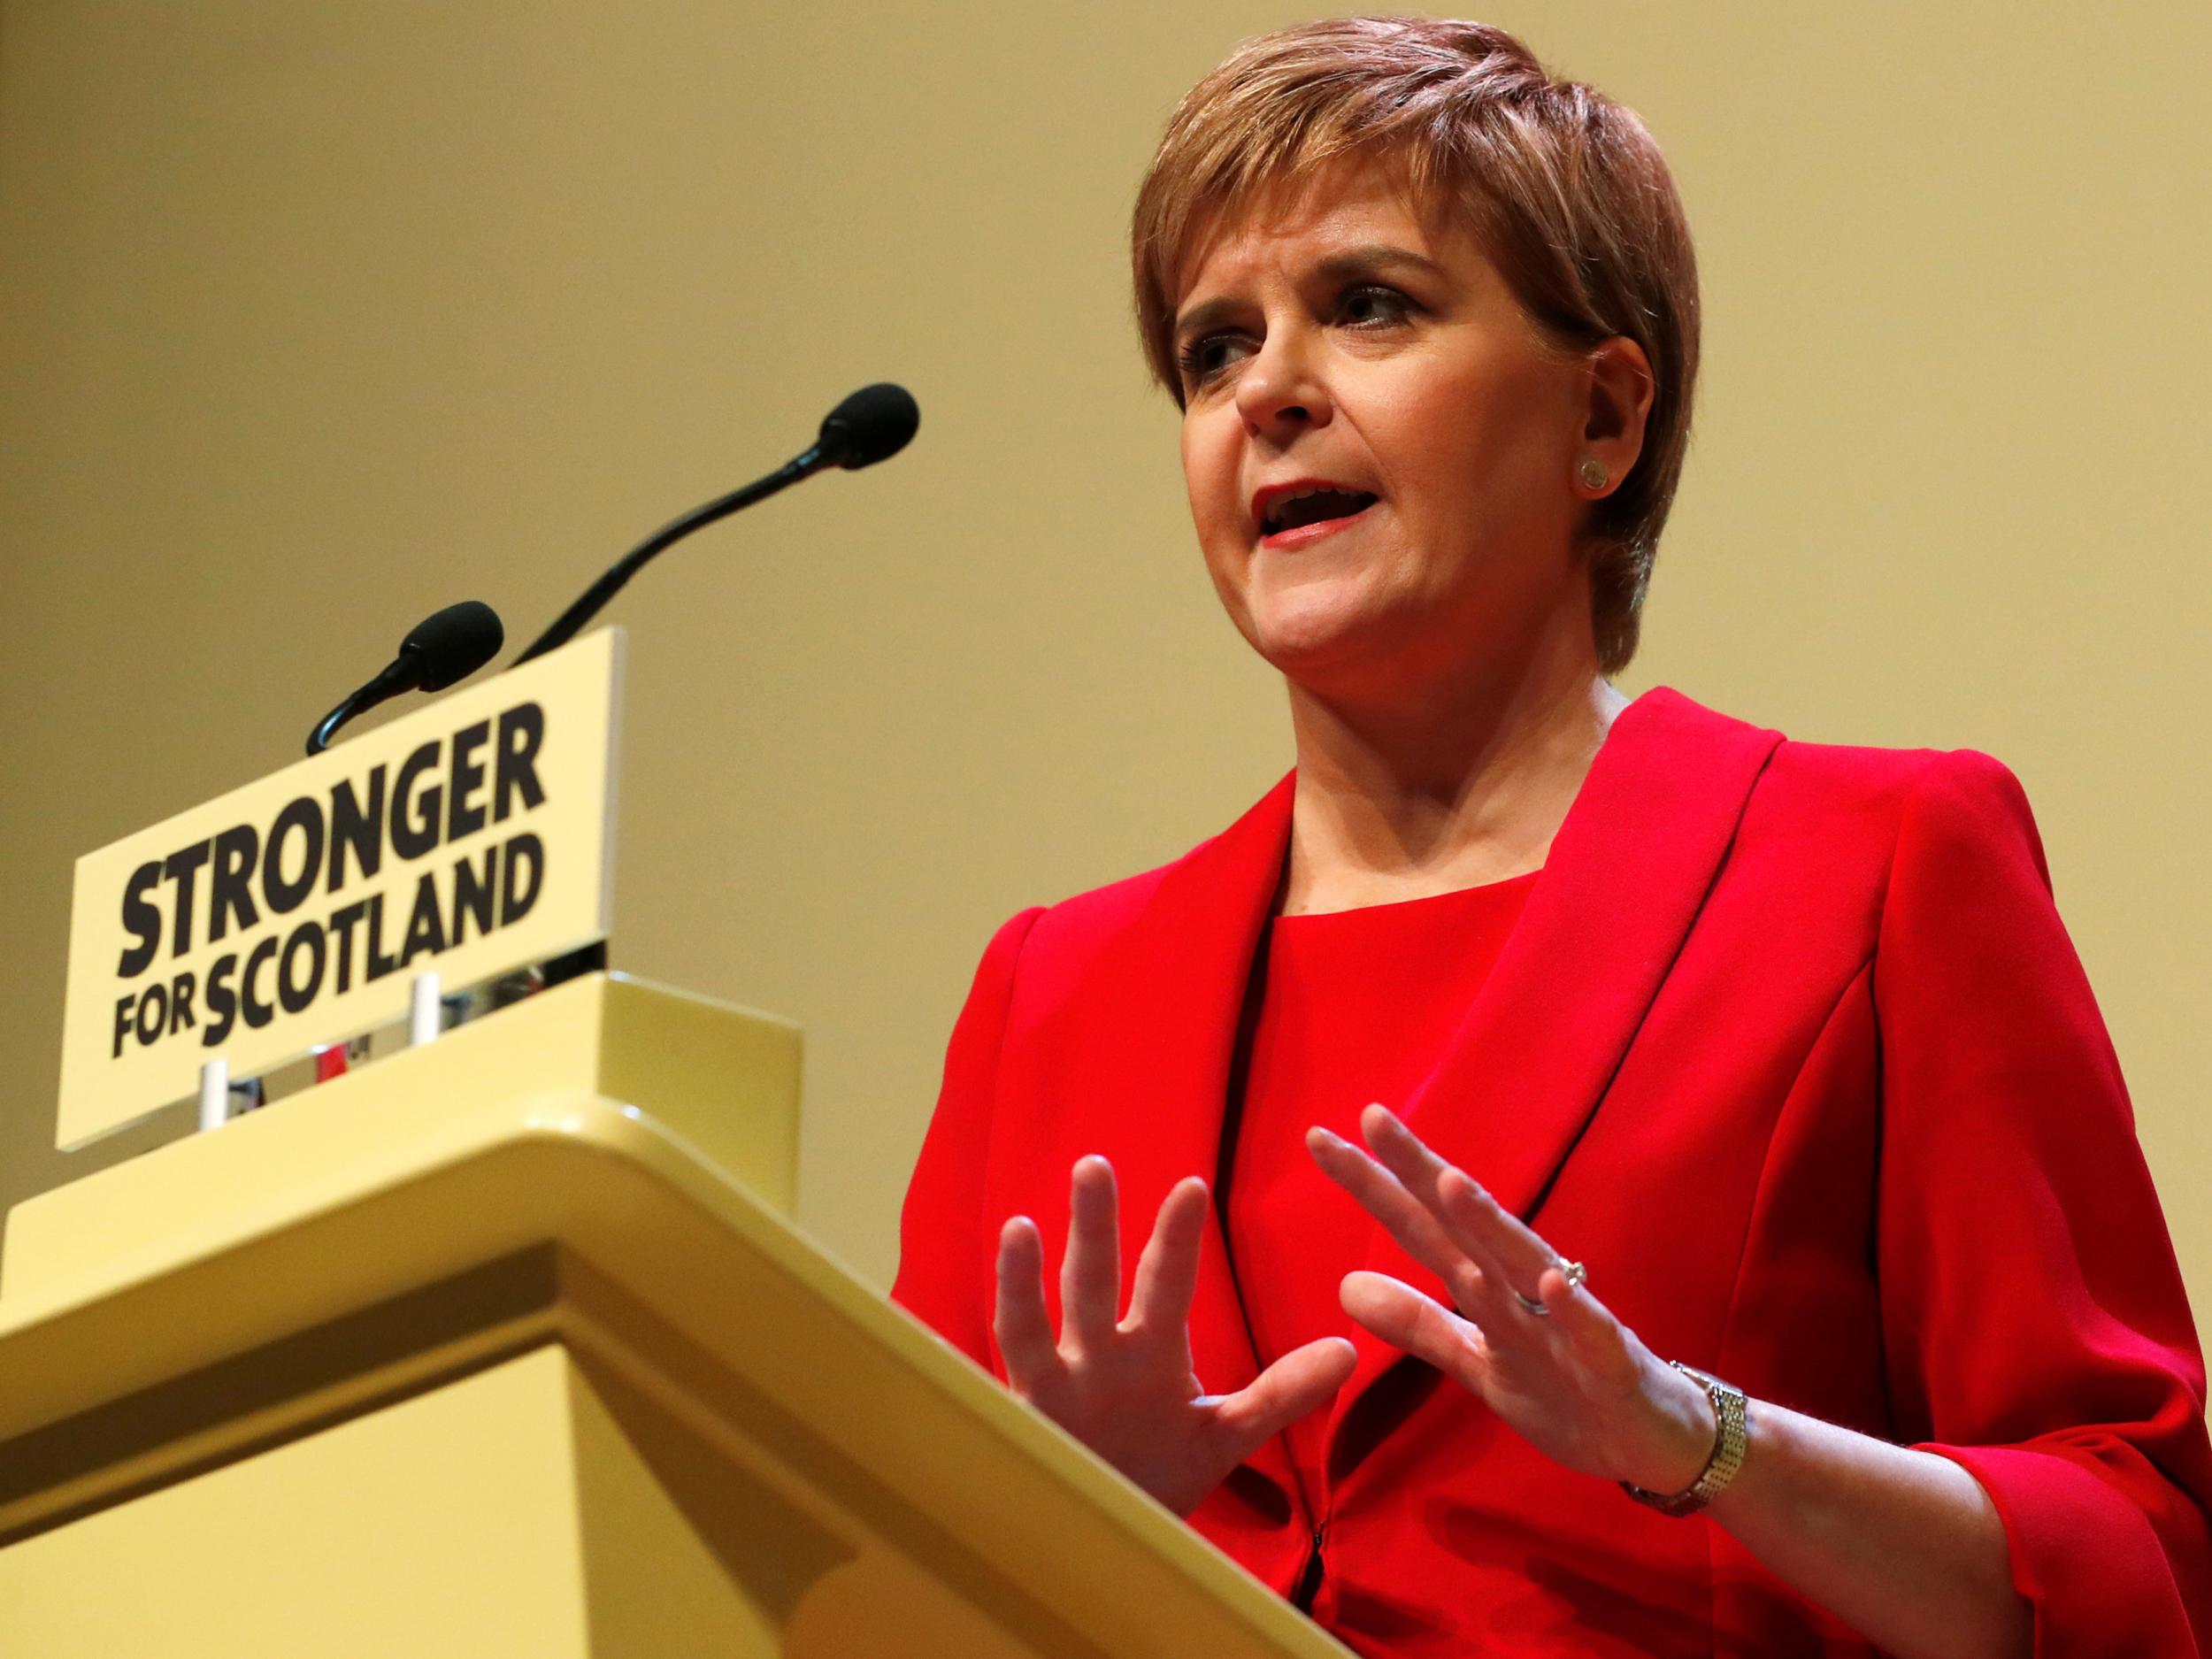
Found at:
(1791, 1048)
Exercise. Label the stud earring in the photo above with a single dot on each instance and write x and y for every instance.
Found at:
(1592, 473)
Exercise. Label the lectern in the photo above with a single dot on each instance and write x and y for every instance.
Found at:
(504, 1344)
(507, 1346)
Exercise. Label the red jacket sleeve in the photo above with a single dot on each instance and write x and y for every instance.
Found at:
(946, 1244)
(2038, 1332)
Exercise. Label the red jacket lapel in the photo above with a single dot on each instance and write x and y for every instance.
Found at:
(1178, 975)
(1627, 874)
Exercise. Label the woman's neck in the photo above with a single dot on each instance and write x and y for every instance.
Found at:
(1467, 787)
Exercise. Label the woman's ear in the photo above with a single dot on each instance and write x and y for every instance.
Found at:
(1617, 401)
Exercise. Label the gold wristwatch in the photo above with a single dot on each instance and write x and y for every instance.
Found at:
(1728, 1449)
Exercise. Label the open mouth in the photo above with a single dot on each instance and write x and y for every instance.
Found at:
(1312, 507)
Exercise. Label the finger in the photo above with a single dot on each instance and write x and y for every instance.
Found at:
(1421, 1172)
(1167, 1272)
(1588, 1322)
(1090, 1272)
(1403, 1317)
(1513, 1257)
(1403, 1154)
(1018, 1320)
(1303, 1381)
(1417, 1230)
(1602, 1347)
(1487, 1230)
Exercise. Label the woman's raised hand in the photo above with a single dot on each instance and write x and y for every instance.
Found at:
(1125, 1387)
(1572, 1381)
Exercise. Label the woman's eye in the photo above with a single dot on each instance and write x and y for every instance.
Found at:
(1203, 358)
(1371, 307)
(1365, 306)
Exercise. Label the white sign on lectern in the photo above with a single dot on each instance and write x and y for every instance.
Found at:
(472, 838)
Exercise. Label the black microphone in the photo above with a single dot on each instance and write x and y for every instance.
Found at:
(437, 652)
(873, 424)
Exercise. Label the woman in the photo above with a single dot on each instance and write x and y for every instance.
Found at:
(1784, 1044)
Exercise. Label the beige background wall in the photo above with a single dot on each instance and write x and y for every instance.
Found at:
(313, 319)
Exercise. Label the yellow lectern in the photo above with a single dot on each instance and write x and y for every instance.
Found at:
(505, 1346)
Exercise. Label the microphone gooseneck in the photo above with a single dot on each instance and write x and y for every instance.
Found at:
(438, 651)
(873, 424)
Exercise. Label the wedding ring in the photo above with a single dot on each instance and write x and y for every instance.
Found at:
(1573, 1272)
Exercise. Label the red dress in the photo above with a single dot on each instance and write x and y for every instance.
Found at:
(1789, 1046)
(1354, 1006)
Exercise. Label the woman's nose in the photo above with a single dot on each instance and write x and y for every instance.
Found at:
(1280, 391)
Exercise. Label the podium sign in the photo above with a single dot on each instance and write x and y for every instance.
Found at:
(471, 838)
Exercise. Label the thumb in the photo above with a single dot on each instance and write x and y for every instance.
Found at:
(1403, 1317)
(1303, 1381)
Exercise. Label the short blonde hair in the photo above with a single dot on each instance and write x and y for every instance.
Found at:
(1565, 189)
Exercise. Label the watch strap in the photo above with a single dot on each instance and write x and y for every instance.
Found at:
(1730, 1439)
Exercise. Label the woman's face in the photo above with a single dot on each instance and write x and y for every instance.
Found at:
(1349, 348)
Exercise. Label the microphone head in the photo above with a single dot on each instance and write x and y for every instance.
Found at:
(453, 644)
(873, 424)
